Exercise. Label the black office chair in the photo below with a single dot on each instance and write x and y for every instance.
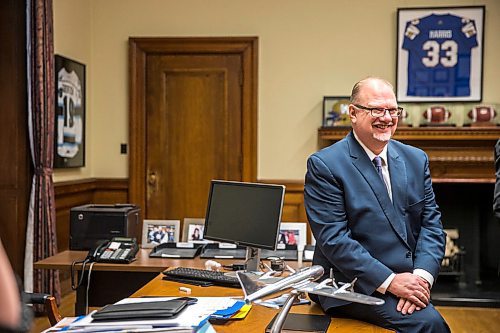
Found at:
(49, 303)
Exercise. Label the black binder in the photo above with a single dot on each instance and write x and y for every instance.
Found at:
(142, 310)
(297, 322)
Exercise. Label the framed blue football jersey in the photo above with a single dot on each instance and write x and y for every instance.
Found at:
(442, 51)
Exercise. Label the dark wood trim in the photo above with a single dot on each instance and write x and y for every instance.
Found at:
(139, 48)
(90, 184)
(456, 154)
(73, 193)
(15, 165)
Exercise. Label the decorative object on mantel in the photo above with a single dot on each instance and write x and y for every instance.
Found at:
(439, 54)
(69, 146)
(407, 116)
(437, 115)
(336, 111)
(482, 115)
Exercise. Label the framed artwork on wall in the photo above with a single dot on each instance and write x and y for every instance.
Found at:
(69, 139)
(440, 54)
(156, 232)
(336, 111)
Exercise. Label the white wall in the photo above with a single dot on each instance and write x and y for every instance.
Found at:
(307, 49)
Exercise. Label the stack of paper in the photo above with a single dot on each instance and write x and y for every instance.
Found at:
(191, 319)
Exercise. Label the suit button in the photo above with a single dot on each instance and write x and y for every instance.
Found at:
(408, 254)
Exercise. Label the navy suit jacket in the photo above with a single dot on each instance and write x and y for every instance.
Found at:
(360, 233)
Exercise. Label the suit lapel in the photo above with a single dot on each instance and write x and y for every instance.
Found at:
(398, 184)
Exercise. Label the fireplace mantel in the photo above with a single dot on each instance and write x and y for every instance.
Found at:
(456, 154)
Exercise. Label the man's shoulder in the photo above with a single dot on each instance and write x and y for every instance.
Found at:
(338, 148)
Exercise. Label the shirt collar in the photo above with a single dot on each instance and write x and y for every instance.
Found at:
(371, 155)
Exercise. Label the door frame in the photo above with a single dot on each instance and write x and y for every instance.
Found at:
(139, 48)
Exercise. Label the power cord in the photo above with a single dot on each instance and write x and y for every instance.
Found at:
(73, 272)
(88, 286)
(75, 286)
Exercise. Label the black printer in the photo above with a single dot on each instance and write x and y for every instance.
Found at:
(91, 223)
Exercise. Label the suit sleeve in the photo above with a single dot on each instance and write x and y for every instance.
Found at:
(431, 241)
(324, 201)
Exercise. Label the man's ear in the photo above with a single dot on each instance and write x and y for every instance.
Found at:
(352, 113)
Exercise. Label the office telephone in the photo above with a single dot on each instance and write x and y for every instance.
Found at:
(117, 250)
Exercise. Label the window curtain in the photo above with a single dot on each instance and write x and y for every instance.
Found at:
(41, 228)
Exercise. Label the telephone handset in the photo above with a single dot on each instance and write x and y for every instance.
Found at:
(118, 250)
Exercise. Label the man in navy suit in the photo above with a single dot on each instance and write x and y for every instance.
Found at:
(371, 208)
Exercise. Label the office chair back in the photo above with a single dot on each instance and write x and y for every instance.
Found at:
(49, 303)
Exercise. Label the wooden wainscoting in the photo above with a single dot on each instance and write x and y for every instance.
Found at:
(107, 191)
(80, 192)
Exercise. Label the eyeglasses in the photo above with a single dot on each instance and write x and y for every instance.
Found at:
(380, 112)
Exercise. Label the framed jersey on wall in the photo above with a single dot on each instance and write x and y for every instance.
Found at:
(69, 141)
(440, 54)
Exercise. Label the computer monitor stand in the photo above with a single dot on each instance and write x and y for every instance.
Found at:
(252, 259)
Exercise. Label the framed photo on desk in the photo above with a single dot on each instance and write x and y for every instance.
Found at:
(440, 54)
(192, 229)
(155, 232)
(293, 233)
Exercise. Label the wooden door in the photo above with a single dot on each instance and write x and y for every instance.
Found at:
(193, 133)
(193, 119)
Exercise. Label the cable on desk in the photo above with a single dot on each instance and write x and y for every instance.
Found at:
(84, 263)
(87, 291)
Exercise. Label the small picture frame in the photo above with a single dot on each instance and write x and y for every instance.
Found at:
(156, 232)
(440, 54)
(336, 111)
(293, 233)
(69, 123)
(192, 229)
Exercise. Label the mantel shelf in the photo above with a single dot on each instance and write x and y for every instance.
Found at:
(456, 154)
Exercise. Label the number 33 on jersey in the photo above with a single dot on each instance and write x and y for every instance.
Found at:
(439, 55)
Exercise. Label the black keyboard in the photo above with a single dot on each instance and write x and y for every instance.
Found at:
(193, 274)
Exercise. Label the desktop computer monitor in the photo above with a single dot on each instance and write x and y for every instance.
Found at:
(246, 214)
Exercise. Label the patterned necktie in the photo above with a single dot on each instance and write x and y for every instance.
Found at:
(377, 161)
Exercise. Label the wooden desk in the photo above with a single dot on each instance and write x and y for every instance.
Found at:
(259, 317)
(110, 283)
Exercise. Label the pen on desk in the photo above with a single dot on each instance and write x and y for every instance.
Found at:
(166, 255)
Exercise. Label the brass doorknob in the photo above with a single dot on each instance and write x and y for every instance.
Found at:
(152, 179)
